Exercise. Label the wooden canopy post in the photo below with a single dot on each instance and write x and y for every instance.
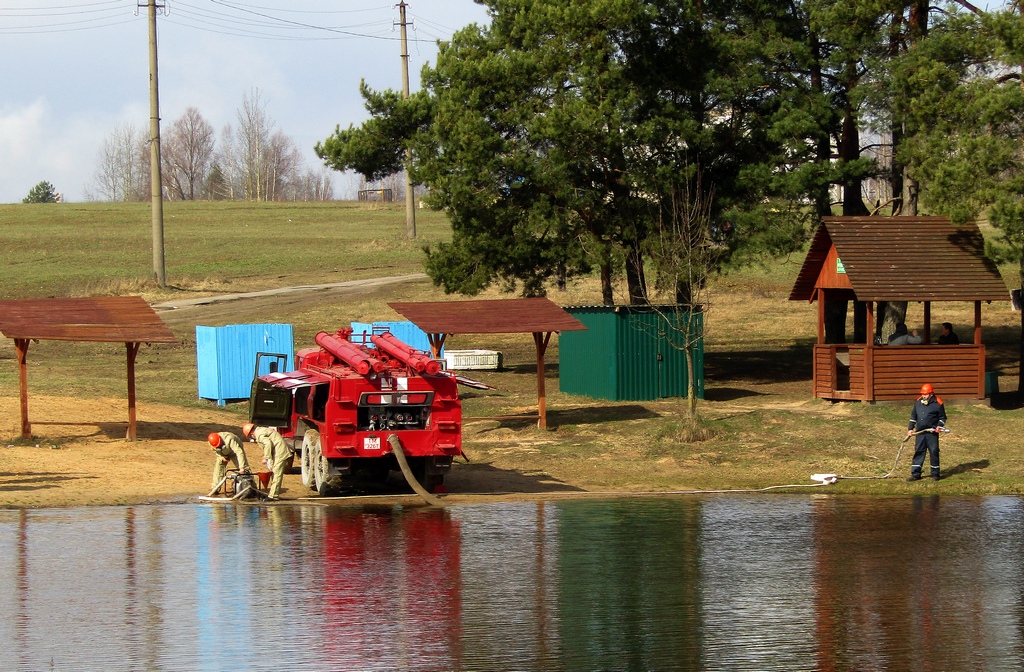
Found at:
(133, 351)
(22, 346)
(541, 339)
(436, 343)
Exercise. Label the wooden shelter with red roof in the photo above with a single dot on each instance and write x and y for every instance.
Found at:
(874, 259)
(105, 319)
(538, 316)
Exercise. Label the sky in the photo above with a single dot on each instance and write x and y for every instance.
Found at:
(73, 71)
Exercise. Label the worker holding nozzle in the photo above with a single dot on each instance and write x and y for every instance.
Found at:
(227, 448)
(927, 420)
(277, 455)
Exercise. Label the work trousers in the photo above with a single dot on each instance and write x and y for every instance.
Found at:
(282, 462)
(220, 467)
(926, 443)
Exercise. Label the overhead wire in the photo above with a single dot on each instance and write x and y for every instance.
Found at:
(252, 21)
(108, 13)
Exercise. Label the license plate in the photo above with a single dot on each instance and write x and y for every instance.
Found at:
(371, 443)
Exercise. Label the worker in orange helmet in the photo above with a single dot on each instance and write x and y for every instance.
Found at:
(927, 420)
(228, 448)
(277, 454)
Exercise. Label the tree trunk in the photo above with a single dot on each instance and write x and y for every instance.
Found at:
(606, 283)
(691, 379)
(891, 314)
(835, 321)
(860, 322)
(635, 281)
(849, 150)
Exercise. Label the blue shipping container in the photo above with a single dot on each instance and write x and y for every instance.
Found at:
(226, 357)
(407, 332)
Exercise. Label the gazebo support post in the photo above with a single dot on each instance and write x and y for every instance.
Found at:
(541, 339)
(133, 351)
(927, 322)
(821, 316)
(21, 344)
(977, 322)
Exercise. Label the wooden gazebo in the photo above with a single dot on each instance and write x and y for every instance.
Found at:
(918, 259)
(538, 316)
(106, 319)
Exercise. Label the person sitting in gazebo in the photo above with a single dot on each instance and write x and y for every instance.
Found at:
(901, 337)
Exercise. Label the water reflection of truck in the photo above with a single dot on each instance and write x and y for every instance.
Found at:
(348, 403)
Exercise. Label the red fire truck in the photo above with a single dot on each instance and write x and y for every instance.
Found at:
(349, 399)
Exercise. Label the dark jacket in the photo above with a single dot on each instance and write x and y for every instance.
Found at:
(928, 416)
(948, 339)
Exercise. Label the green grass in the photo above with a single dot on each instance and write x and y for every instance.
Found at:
(759, 426)
(67, 249)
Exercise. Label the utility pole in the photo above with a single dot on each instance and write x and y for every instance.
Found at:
(154, 154)
(410, 197)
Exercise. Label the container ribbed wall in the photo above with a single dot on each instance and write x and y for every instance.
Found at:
(629, 353)
(226, 357)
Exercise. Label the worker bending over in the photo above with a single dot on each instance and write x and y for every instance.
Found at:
(276, 453)
(228, 448)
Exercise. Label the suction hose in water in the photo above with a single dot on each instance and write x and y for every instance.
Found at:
(396, 445)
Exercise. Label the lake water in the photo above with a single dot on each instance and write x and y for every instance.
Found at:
(769, 582)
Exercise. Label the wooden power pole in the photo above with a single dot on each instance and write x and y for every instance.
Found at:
(410, 197)
(154, 154)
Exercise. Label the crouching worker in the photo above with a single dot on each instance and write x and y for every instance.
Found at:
(928, 418)
(276, 453)
(228, 448)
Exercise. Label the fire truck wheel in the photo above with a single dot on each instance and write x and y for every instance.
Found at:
(320, 466)
(310, 444)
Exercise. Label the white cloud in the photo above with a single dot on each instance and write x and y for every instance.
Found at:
(84, 82)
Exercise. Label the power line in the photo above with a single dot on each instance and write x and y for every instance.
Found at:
(36, 8)
(247, 21)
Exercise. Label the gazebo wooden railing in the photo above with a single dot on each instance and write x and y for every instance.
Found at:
(892, 372)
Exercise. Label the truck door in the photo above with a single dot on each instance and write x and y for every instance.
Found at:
(270, 405)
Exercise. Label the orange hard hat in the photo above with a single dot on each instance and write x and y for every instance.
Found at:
(927, 389)
(247, 429)
(214, 439)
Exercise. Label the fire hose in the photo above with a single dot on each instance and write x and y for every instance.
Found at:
(828, 479)
(410, 478)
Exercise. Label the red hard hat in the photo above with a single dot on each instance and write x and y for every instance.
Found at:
(927, 388)
(214, 439)
(247, 429)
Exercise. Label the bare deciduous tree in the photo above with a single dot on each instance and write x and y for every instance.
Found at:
(187, 156)
(250, 161)
(684, 252)
(123, 171)
(227, 161)
(253, 146)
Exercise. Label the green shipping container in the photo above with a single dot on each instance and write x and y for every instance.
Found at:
(630, 353)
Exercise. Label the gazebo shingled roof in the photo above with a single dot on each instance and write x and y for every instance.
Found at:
(109, 319)
(904, 259)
